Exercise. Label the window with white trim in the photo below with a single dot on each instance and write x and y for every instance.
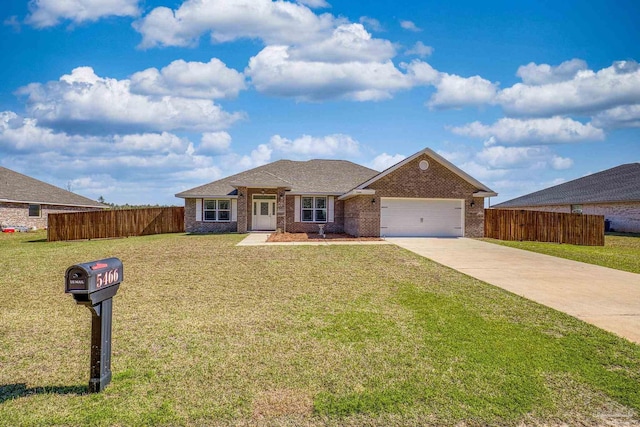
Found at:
(34, 211)
(218, 210)
(314, 209)
(576, 209)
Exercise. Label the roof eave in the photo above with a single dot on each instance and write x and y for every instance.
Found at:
(205, 196)
(236, 185)
(36, 202)
(357, 192)
(485, 194)
(563, 203)
(314, 193)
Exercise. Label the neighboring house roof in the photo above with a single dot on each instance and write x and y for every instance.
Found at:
(619, 184)
(18, 188)
(301, 177)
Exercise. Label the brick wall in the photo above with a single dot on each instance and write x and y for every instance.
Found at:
(362, 217)
(624, 216)
(17, 214)
(193, 226)
(337, 226)
(437, 182)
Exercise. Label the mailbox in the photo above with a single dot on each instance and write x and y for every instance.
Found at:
(94, 284)
(94, 281)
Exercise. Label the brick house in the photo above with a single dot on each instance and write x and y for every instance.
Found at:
(614, 193)
(26, 202)
(423, 195)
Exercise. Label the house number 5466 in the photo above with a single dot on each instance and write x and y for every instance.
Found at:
(107, 278)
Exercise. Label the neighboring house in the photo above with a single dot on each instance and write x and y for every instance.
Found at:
(423, 195)
(614, 193)
(25, 201)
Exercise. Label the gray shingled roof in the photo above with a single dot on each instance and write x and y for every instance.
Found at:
(619, 184)
(16, 187)
(312, 176)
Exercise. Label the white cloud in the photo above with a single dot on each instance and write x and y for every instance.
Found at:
(315, 3)
(308, 146)
(47, 13)
(627, 116)
(274, 72)
(13, 22)
(24, 135)
(553, 130)
(561, 163)
(484, 173)
(384, 161)
(420, 49)
(21, 134)
(585, 93)
(226, 20)
(410, 26)
(156, 143)
(211, 80)
(348, 43)
(371, 23)
(538, 157)
(259, 156)
(214, 143)
(511, 157)
(134, 168)
(508, 170)
(421, 73)
(534, 74)
(84, 102)
(454, 91)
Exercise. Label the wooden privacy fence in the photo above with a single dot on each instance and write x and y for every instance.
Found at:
(574, 229)
(114, 223)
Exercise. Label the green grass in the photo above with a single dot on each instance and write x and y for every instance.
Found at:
(621, 252)
(207, 333)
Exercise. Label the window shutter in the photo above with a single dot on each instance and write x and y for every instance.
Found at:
(296, 209)
(198, 209)
(331, 209)
(234, 209)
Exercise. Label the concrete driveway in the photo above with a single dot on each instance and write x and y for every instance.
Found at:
(607, 298)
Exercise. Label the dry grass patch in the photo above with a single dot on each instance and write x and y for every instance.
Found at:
(278, 403)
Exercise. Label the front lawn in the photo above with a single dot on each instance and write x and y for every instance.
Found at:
(621, 252)
(207, 333)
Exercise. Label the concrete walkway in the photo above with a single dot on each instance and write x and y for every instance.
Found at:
(607, 298)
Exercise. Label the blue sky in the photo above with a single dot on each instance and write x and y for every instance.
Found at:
(136, 100)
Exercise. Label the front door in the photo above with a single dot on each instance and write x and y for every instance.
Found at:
(264, 213)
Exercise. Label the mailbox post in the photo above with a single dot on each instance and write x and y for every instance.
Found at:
(94, 284)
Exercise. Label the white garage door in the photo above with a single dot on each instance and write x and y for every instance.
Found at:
(421, 217)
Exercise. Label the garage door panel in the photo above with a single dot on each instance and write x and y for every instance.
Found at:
(421, 217)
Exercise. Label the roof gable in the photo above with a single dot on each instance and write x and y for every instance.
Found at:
(482, 189)
(618, 184)
(18, 188)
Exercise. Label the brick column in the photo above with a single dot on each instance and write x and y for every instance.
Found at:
(242, 209)
(281, 209)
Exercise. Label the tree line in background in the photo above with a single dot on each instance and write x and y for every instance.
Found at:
(128, 206)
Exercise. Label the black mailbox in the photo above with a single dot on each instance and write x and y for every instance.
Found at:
(94, 281)
(94, 284)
